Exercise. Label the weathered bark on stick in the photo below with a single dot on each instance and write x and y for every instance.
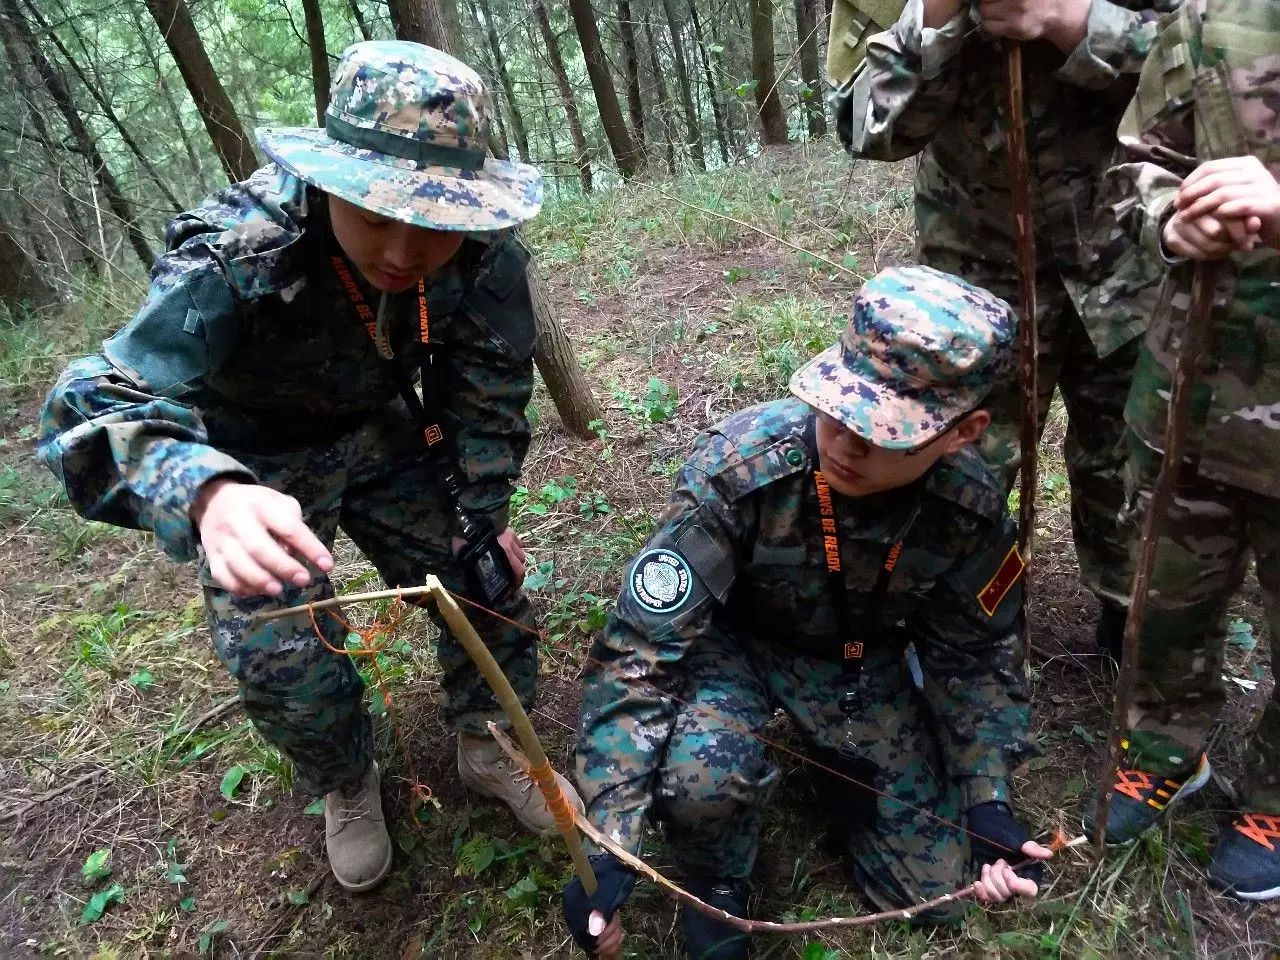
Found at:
(1186, 369)
(631, 71)
(552, 43)
(722, 135)
(319, 56)
(15, 22)
(553, 353)
(230, 141)
(691, 120)
(773, 121)
(1028, 336)
(807, 34)
(628, 157)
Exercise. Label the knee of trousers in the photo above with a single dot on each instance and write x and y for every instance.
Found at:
(709, 798)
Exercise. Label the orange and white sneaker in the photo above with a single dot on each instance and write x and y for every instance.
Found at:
(1246, 861)
(1141, 799)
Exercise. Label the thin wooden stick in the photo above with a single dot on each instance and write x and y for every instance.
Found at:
(1185, 371)
(742, 923)
(402, 593)
(1028, 339)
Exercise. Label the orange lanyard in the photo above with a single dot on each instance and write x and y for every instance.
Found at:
(372, 323)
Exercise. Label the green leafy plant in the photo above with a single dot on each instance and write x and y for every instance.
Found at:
(98, 903)
(97, 866)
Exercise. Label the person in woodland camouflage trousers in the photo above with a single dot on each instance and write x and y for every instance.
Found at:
(934, 84)
(261, 399)
(1204, 142)
(807, 543)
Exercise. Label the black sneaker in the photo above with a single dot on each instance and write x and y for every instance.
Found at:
(708, 939)
(1246, 863)
(1140, 800)
(1109, 634)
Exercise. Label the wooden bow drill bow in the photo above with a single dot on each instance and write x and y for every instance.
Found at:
(568, 820)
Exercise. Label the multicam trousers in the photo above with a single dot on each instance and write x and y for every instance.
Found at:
(377, 485)
(1201, 558)
(716, 783)
(1094, 390)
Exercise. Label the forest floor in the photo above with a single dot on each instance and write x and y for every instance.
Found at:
(190, 842)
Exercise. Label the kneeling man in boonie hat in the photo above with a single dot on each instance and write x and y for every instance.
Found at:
(809, 541)
(262, 398)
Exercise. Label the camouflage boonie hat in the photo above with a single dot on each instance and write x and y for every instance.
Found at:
(406, 135)
(922, 349)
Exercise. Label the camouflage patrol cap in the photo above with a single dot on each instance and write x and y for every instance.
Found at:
(922, 349)
(406, 135)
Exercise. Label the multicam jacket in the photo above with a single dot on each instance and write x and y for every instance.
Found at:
(249, 342)
(739, 550)
(940, 93)
(1209, 91)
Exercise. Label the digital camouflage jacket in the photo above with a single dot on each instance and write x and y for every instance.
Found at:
(1208, 92)
(940, 93)
(248, 341)
(739, 550)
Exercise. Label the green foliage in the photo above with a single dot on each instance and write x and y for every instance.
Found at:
(656, 406)
(97, 866)
(98, 903)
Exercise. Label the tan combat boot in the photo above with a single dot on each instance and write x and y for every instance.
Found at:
(487, 770)
(356, 835)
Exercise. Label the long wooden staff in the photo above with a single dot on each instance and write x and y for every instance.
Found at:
(539, 767)
(1185, 370)
(1028, 342)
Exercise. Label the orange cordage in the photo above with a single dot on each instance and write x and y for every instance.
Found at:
(373, 640)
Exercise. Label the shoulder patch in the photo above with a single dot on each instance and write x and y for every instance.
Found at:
(759, 446)
(661, 581)
(1002, 581)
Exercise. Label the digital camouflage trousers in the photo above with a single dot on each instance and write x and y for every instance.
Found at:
(716, 782)
(377, 486)
(1203, 550)
(1094, 390)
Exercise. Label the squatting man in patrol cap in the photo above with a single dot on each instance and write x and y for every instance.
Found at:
(807, 543)
(261, 399)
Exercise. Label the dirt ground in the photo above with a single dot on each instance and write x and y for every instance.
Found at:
(116, 731)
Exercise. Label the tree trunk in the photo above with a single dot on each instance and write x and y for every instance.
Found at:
(21, 280)
(773, 122)
(807, 36)
(84, 142)
(628, 157)
(319, 56)
(631, 71)
(170, 101)
(359, 19)
(107, 111)
(421, 21)
(230, 142)
(554, 354)
(686, 91)
(583, 158)
(721, 136)
(664, 101)
(508, 88)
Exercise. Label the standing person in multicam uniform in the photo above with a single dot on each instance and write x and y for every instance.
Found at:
(933, 84)
(260, 400)
(808, 541)
(1204, 138)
